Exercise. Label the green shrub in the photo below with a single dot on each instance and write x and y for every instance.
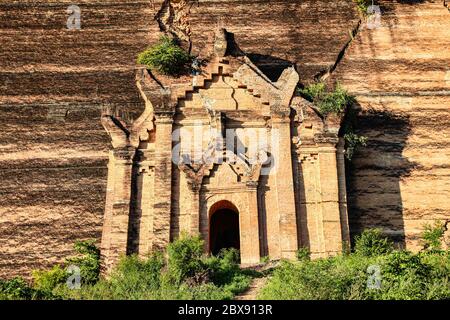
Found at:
(48, 280)
(132, 279)
(372, 243)
(326, 101)
(224, 271)
(313, 91)
(88, 260)
(185, 257)
(363, 5)
(166, 57)
(186, 274)
(352, 142)
(432, 236)
(15, 289)
(335, 102)
(403, 276)
(323, 279)
(303, 254)
(399, 263)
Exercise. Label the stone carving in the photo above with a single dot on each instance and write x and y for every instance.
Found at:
(231, 94)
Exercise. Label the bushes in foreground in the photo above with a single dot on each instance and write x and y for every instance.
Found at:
(186, 273)
(373, 271)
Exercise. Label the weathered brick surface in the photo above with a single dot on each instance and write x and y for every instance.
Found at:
(400, 75)
(54, 173)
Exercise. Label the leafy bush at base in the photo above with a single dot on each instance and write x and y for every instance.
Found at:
(15, 289)
(18, 289)
(53, 282)
(338, 102)
(186, 273)
(402, 275)
(371, 242)
(432, 236)
(47, 280)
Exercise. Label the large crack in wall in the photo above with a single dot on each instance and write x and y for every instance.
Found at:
(325, 74)
(173, 18)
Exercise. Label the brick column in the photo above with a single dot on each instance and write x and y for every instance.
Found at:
(285, 188)
(249, 228)
(330, 199)
(163, 181)
(195, 209)
(146, 195)
(342, 191)
(117, 213)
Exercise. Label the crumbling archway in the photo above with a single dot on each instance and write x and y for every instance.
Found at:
(223, 227)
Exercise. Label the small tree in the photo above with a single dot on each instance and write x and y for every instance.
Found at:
(88, 260)
(372, 243)
(185, 257)
(166, 57)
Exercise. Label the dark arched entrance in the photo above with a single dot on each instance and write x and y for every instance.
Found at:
(224, 228)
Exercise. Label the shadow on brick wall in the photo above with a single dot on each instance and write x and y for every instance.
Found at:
(375, 173)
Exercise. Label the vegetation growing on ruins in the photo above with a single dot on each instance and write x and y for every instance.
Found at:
(432, 235)
(166, 57)
(374, 271)
(363, 5)
(186, 273)
(339, 102)
(327, 101)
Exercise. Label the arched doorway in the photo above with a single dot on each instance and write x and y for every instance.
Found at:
(223, 227)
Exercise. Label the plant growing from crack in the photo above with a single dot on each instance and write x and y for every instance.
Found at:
(363, 6)
(166, 57)
(327, 101)
(339, 102)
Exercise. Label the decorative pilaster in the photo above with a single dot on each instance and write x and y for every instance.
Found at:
(145, 181)
(342, 191)
(330, 196)
(285, 187)
(249, 227)
(194, 175)
(163, 180)
(116, 219)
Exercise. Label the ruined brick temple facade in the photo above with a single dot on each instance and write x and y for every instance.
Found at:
(230, 155)
(55, 82)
